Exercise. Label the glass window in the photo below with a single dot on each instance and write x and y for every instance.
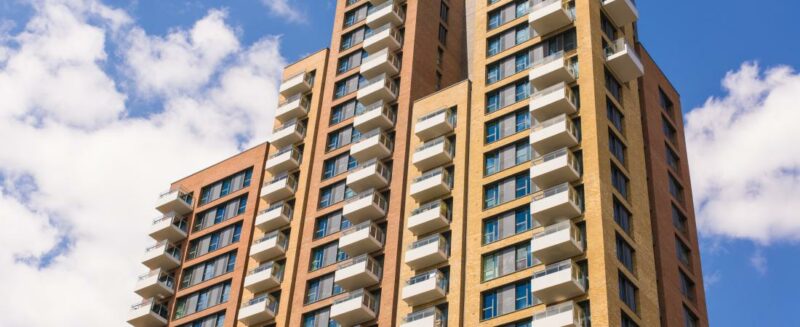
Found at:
(616, 146)
(226, 186)
(523, 296)
(627, 292)
(625, 253)
(614, 115)
(622, 216)
(675, 188)
(619, 180)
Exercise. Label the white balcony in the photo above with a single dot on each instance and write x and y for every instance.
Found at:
(264, 277)
(279, 188)
(375, 116)
(362, 238)
(299, 83)
(155, 284)
(427, 252)
(622, 12)
(372, 174)
(437, 123)
(566, 314)
(170, 227)
(163, 255)
(425, 288)
(290, 133)
(381, 62)
(623, 61)
(388, 12)
(372, 145)
(384, 37)
(558, 282)
(555, 168)
(553, 134)
(557, 242)
(552, 70)
(258, 310)
(177, 201)
(552, 101)
(433, 154)
(292, 108)
(555, 204)
(149, 313)
(379, 88)
(429, 217)
(359, 272)
(549, 16)
(269, 247)
(431, 184)
(276, 216)
(355, 308)
(430, 317)
(286, 159)
(368, 205)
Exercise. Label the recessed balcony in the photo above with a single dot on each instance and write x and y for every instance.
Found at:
(292, 108)
(429, 217)
(557, 242)
(381, 62)
(427, 252)
(299, 83)
(269, 247)
(163, 255)
(375, 116)
(388, 12)
(431, 184)
(555, 204)
(278, 189)
(623, 61)
(372, 145)
(149, 313)
(384, 37)
(258, 310)
(558, 282)
(355, 308)
(566, 314)
(552, 101)
(549, 15)
(286, 159)
(155, 284)
(276, 216)
(553, 134)
(368, 205)
(425, 288)
(171, 228)
(433, 153)
(437, 123)
(177, 201)
(264, 277)
(359, 272)
(552, 70)
(555, 168)
(372, 174)
(430, 317)
(290, 133)
(379, 88)
(362, 238)
(622, 12)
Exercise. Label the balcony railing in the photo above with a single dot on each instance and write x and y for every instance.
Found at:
(272, 304)
(441, 281)
(372, 265)
(385, 110)
(422, 314)
(170, 249)
(374, 230)
(178, 221)
(429, 240)
(281, 238)
(277, 269)
(433, 205)
(158, 308)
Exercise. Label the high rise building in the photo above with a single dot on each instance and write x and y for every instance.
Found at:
(450, 162)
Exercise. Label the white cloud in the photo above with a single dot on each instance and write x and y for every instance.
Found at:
(759, 262)
(284, 9)
(745, 159)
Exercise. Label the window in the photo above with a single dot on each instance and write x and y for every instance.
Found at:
(608, 27)
(226, 186)
(523, 323)
(507, 261)
(614, 86)
(209, 269)
(683, 252)
(444, 12)
(439, 56)
(669, 131)
(679, 220)
(321, 288)
(675, 188)
(615, 116)
(508, 125)
(319, 318)
(442, 34)
(507, 13)
(625, 253)
(507, 224)
(627, 321)
(214, 241)
(203, 299)
(338, 165)
(220, 213)
(507, 95)
(507, 157)
(350, 2)
(616, 146)
(341, 137)
(672, 158)
(619, 180)
(350, 61)
(334, 194)
(627, 291)
(506, 190)
(356, 15)
(689, 318)
(666, 103)
(215, 320)
(438, 80)
(622, 216)
(508, 39)
(329, 224)
(506, 299)
(351, 39)
(326, 255)
(687, 286)
(344, 111)
(347, 86)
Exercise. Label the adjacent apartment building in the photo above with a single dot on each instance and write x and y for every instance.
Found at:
(446, 163)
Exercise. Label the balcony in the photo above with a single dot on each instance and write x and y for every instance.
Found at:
(557, 242)
(372, 174)
(425, 288)
(555, 204)
(368, 205)
(362, 238)
(384, 37)
(623, 61)
(177, 201)
(558, 282)
(429, 217)
(287, 159)
(386, 13)
(566, 314)
(435, 124)
(155, 284)
(381, 62)
(280, 188)
(552, 70)
(552, 101)
(290, 133)
(265, 277)
(431, 184)
(355, 308)
(292, 108)
(359, 272)
(163, 255)
(372, 145)
(622, 12)
(553, 134)
(171, 228)
(379, 88)
(276, 216)
(149, 313)
(430, 317)
(375, 116)
(433, 153)
(549, 16)
(258, 310)
(269, 247)
(299, 83)
(555, 168)
(427, 252)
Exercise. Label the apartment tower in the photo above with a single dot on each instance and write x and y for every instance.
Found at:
(450, 163)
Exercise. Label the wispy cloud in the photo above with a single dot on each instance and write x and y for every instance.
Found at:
(759, 262)
(285, 9)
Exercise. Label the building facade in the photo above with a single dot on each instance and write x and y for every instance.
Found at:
(460, 163)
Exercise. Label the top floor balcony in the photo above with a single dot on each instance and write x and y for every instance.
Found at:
(388, 12)
(298, 83)
(170, 227)
(292, 108)
(622, 12)
(434, 124)
(622, 59)
(550, 15)
(384, 37)
(177, 201)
